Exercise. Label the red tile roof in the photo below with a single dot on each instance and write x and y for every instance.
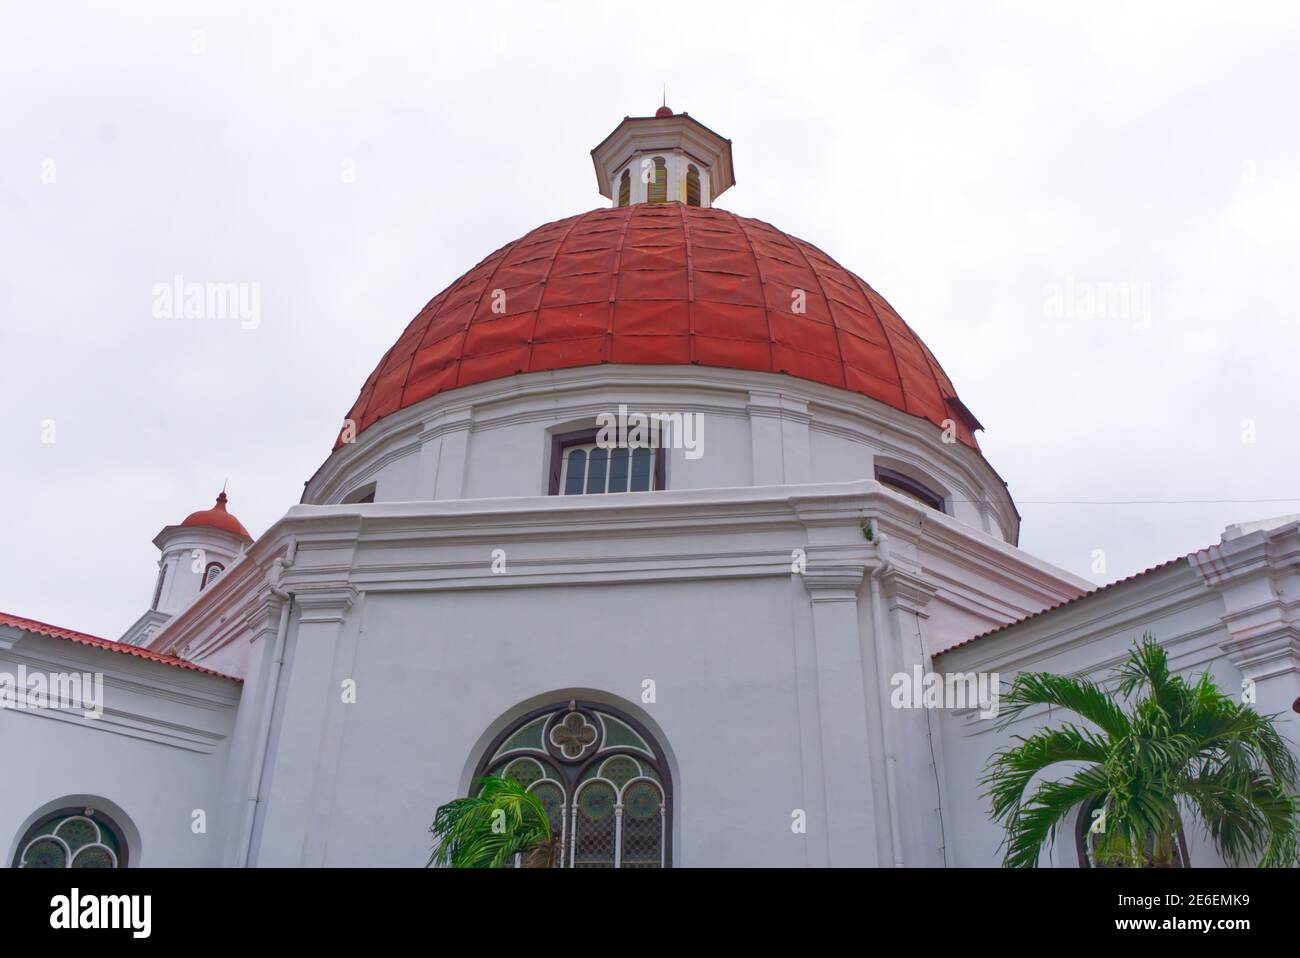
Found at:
(54, 632)
(662, 284)
(1067, 602)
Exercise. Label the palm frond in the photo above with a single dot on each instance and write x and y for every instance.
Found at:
(488, 829)
(1081, 696)
(1179, 744)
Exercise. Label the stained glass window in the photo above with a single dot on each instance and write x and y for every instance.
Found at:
(72, 838)
(601, 777)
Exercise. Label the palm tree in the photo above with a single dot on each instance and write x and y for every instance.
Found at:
(487, 830)
(1179, 744)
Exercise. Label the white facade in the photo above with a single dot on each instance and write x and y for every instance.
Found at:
(375, 648)
(769, 597)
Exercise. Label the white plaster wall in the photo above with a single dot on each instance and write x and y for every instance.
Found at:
(434, 672)
(768, 688)
(158, 753)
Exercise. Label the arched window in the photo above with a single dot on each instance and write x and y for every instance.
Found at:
(657, 188)
(625, 188)
(157, 592)
(361, 495)
(72, 838)
(692, 185)
(212, 570)
(912, 488)
(602, 778)
(1098, 849)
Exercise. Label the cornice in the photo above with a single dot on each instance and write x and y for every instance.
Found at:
(327, 555)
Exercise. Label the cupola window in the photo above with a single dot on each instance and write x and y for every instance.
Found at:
(692, 185)
(625, 188)
(212, 570)
(657, 188)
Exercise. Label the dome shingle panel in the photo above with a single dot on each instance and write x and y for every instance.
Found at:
(662, 284)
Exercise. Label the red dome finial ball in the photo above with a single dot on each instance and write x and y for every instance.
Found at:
(663, 111)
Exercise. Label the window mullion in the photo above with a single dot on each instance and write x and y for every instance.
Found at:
(618, 833)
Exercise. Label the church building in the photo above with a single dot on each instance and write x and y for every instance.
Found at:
(649, 510)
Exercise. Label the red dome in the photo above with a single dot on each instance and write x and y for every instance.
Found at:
(218, 518)
(662, 284)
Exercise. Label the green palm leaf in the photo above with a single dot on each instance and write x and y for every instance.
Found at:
(1178, 745)
(487, 830)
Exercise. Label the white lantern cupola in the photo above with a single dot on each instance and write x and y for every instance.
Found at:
(666, 158)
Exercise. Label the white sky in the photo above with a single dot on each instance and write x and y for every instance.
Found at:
(964, 159)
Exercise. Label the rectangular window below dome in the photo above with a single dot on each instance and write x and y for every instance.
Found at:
(581, 466)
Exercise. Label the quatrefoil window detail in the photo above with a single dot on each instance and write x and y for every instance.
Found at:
(574, 735)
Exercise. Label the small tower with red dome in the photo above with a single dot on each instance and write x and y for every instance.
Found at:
(195, 552)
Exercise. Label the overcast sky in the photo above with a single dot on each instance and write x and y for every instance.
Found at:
(1090, 213)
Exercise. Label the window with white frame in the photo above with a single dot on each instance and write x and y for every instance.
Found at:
(588, 469)
(582, 466)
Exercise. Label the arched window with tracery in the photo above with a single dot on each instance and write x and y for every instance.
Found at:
(692, 185)
(72, 838)
(625, 188)
(657, 188)
(601, 777)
